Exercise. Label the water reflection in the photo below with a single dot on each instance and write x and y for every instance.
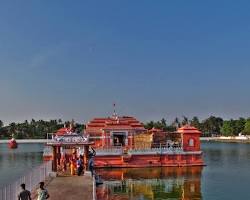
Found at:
(150, 183)
(16, 162)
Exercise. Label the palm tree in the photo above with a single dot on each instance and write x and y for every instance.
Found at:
(1, 123)
(195, 122)
(185, 120)
(177, 123)
(13, 128)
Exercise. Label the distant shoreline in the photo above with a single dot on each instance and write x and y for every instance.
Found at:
(229, 140)
(208, 139)
(25, 141)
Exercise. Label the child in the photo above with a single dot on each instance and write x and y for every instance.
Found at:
(42, 193)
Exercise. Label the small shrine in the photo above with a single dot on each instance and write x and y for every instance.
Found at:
(67, 146)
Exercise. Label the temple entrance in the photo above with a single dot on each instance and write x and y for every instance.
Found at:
(67, 149)
(119, 138)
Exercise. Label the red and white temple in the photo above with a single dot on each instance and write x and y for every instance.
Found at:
(114, 131)
(124, 142)
(66, 147)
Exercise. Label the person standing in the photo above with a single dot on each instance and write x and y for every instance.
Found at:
(91, 161)
(79, 165)
(42, 193)
(24, 194)
(72, 167)
(91, 166)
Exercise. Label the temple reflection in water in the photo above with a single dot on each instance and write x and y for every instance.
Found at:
(150, 183)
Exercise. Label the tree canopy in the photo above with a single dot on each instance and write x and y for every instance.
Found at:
(211, 126)
(247, 127)
(34, 129)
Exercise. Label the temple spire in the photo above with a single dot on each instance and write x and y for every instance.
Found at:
(114, 113)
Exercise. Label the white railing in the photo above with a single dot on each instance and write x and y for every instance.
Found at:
(115, 150)
(31, 180)
(158, 150)
(94, 188)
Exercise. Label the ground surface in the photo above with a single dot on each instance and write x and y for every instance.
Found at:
(71, 188)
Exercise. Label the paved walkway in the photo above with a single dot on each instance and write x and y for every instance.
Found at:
(71, 188)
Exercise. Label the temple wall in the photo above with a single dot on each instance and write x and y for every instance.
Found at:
(149, 160)
(196, 142)
(143, 140)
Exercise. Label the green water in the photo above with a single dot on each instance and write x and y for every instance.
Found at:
(226, 176)
(16, 162)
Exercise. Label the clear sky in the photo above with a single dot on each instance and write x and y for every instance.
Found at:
(154, 59)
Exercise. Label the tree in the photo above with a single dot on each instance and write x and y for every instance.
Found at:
(247, 127)
(233, 127)
(149, 125)
(79, 127)
(195, 122)
(177, 123)
(240, 125)
(1, 123)
(13, 127)
(33, 122)
(184, 121)
(34, 129)
(227, 128)
(158, 125)
(212, 125)
(164, 122)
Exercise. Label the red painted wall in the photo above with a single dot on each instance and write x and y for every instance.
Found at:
(149, 160)
(196, 142)
(191, 138)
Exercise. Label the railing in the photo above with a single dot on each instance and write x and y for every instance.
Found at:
(160, 149)
(94, 188)
(31, 180)
(115, 150)
(157, 150)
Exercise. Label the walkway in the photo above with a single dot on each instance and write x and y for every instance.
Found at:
(71, 188)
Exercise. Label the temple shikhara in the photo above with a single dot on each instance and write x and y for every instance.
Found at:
(122, 141)
(114, 131)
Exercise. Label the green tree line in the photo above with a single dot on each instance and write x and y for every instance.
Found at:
(210, 126)
(34, 129)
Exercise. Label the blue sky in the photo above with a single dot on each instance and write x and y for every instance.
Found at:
(64, 59)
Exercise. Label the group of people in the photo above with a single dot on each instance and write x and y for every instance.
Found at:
(42, 193)
(73, 162)
(76, 163)
(76, 167)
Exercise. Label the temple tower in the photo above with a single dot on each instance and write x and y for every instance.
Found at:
(190, 138)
